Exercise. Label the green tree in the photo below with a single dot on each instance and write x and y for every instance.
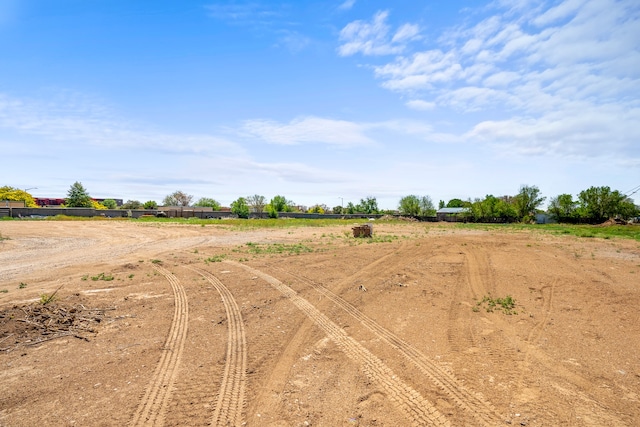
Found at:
(78, 197)
(598, 204)
(527, 201)
(337, 210)
(177, 198)
(456, 203)
(272, 212)
(491, 209)
(240, 207)
(426, 206)
(281, 204)
(350, 209)
(409, 205)
(17, 195)
(368, 205)
(150, 204)
(416, 206)
(441, 204)
(131, 204)
(110, 204)
(318, 209)
(206, 202)
(563, 208)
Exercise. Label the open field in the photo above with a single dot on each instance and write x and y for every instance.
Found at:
(198, 324)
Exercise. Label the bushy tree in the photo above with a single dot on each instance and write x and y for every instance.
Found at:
(257, 203)
(150, 204)
(281, 204)
(109, 204)
(97, 205)
(317, 209)
(337, 210)
(78, 197)
(456, 203)
(598, 204)
(367, 206)
(206, 202)
(527, 201)
(240, 207)
(177, 198)
(426, 206)
(409, 205)
(131, 204)
(491, 209)
(563, 208)
(272, 212)
(413, 205)
(17, 195)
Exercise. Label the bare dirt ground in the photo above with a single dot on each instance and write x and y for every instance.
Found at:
(311, 327)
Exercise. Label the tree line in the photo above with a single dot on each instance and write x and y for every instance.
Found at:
(593, 205)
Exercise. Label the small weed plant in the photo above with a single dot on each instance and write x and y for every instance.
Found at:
(22, 285)
(47, 298)
(215, 258)
(507, 304)
(102, 276)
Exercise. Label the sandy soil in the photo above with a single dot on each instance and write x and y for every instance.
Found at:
(311, 327)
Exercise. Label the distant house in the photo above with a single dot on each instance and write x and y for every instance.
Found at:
(451, 214)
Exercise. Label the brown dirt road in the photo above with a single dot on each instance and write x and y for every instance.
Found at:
(311, 327)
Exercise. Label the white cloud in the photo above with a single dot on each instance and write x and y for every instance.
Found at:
(375, 38)
(347, 5)
(293, 41)
(418, 104)
(561, 79)
(73, 120)
(243, 13)
(593, 133)
(308, 130)
(406, 32)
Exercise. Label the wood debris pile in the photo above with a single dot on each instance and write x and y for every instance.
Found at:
(32, 324)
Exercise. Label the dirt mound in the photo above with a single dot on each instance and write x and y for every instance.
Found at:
(613, 221)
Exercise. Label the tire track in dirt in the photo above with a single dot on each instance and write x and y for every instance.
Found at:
(588, 404)
(460, 334)
(410, 402)
(152, 408)
(475, 406)
(379, 266)
(231, 396)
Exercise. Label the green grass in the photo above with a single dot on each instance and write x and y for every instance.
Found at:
(277, 248)
(252, 224)
(581, 230)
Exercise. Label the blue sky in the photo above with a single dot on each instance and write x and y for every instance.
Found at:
(319, 101)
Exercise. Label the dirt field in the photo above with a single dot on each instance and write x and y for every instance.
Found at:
(185, 325)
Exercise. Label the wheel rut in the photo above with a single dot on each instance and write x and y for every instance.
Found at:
(414, 406)
(153, 406)
(230, 400)
(474, 406)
